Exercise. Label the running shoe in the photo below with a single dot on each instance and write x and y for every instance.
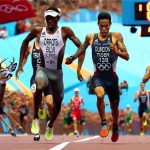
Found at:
(141, 133)
(145, 123)
(104, 130)
(76, 133)
(49, 132)
(35, 126)
(115, 133)
(70, 134)
(36, 137)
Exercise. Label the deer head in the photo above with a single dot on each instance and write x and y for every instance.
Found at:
(12, 66)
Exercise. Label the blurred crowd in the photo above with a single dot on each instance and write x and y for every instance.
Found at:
(20, 106)
(66, 6)
(72, 6)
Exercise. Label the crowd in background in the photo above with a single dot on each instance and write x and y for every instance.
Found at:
(20, 106)
(72, 6)
(66, 6)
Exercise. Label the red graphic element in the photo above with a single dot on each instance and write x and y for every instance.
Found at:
(14, 10)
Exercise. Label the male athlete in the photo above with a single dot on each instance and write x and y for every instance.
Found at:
(52, 40)
(106, 47)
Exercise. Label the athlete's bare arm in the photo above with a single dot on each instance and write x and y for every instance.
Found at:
(119, 48)
(147, 75)
(136, 96)
(80, 51)
(24, 48)
(83, 47)
(34, 33)
(81, 54)
(29, 51)
(70, 34)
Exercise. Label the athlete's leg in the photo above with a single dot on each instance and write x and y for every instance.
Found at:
(114, 97)
(74, 115)
(41, 80)
(113, 94)
(100, 93)
(57, 89)
(54, 107)
(99, 90)
(37, 98)
(49, 102)
(115, 111)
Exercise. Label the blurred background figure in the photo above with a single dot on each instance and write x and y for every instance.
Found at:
(122, 119)
(68, 120)
(77, 103)
(24, 111)
(124, 85)
(143, 97)
(128, 120)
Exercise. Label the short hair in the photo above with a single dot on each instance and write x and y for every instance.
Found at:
(53, 8)
(104, 15)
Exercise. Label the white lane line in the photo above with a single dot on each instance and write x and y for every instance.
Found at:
(62, 145)
(87, 139)
(25, 134)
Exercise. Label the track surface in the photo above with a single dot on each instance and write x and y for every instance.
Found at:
(25, 142)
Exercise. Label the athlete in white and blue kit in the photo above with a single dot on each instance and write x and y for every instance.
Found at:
(106, 47)
(52, 40)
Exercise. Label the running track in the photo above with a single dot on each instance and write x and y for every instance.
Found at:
(25, 142)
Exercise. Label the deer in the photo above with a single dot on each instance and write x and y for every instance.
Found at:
(5, 75)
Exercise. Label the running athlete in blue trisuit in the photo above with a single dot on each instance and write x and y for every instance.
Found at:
(37, 60)
(52, 40)
(106, 47)
(142, 96)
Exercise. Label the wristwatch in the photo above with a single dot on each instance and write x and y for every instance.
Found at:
(72, 57)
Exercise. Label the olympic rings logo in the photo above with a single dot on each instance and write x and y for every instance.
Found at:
(8, 8)
(104, 66)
